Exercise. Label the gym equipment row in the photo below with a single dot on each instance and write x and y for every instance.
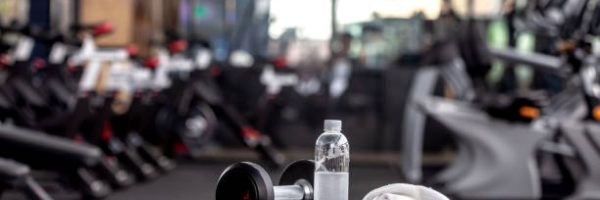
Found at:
(105, 118)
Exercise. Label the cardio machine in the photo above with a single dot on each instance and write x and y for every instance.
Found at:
(497, 144)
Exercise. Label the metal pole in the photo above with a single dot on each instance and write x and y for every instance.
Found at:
(471, 8)
(76, 12)
(333, 25)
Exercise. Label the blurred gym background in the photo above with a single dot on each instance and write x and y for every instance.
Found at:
(354, 60)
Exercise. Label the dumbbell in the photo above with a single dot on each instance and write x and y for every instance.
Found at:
(249, 181)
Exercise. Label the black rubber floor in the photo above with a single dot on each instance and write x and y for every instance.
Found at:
(197, 181)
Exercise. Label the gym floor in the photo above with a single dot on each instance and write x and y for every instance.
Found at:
(194, 180)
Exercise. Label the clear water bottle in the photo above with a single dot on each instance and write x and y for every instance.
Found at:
(332, 156)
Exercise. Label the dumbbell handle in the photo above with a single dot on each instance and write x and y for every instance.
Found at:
(288, 192)
(302, 190)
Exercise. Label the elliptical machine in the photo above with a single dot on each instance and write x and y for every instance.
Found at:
(486, 130)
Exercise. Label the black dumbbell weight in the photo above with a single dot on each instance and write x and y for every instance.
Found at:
(249, 181)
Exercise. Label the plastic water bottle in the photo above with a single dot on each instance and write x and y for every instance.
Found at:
(332, 156)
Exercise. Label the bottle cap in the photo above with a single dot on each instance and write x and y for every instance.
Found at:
(333, 125)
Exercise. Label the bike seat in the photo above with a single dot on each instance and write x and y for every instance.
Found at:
(96, 29)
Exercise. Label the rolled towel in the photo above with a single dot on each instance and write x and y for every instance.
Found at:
(402, 191)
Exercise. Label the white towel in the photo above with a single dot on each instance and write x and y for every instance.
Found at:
(402, 191)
